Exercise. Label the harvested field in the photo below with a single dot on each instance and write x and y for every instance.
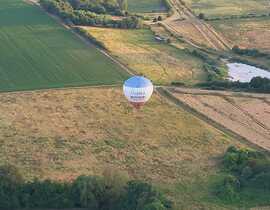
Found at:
(187, 29)
(157, 60)
(60, 134)
(219, 8)
(246, 33)
(247, 116)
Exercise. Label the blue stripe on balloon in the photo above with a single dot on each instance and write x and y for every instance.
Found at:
(138, 82)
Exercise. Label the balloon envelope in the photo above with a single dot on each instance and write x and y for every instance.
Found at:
(138, 90)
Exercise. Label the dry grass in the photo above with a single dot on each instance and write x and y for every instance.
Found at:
(77, 129)
(249, 117)
(248, 33)
(139, 50)
(219, 8)
(60, 134)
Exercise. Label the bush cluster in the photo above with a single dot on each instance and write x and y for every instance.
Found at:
(211, 66)
(249, 52)
(237, 17)
(89, 192)
(112, 7)
(257, 84)
(80, 16)
(246, 169)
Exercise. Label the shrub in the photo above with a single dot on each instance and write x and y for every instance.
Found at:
(228, 189)
(141, 195)
(201, 16)
(237, 160)
(257, 84)
(159, 18)
(249, 52)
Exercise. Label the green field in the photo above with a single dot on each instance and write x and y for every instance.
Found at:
(36, 52)
(217, 8)
(146, 6)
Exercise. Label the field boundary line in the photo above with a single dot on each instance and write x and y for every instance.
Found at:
(60, 88)
(171, 98)
(172, 30)
(83, 39)
(260, 96)
(217, 41)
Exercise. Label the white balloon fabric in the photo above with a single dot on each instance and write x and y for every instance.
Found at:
(138, 90)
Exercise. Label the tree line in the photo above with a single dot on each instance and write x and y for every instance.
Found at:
(233, 17)
(113, 7)
(256, 84)
(85, 14)
(250, 52)
(109, 192)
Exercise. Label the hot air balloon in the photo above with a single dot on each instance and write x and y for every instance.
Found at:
(138, 90)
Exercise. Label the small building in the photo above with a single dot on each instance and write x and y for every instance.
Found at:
(160, 39)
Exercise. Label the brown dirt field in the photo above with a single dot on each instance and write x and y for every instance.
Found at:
(248, 33)
(247, 116)
(60, 134)
(186, 29)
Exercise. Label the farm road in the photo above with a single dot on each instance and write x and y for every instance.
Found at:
(183, 15)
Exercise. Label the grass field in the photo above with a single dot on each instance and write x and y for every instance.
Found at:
(146, 6)
(61, 134)
(159, 61)
(36, 52)
(219, 8)
(246, 33)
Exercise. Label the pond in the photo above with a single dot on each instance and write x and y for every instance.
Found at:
(244, 72)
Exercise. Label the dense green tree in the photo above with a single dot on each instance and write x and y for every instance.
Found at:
(246, 169)
(10, 182)
(109, 192)
(141, 195)
(88, 192)
(91, 13)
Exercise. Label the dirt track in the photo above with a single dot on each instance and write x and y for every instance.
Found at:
(186, 24)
